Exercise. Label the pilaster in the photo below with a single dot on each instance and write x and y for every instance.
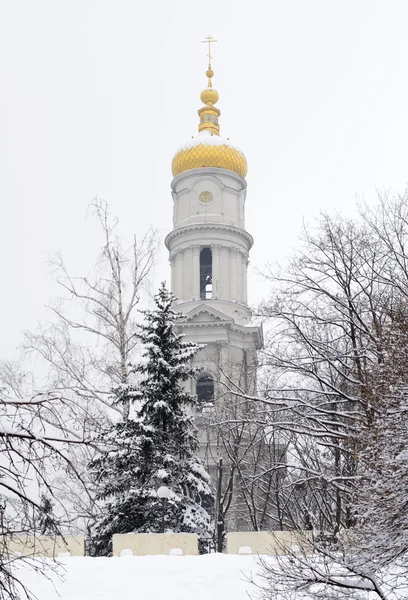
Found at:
(215, 249)
(233, 273)
(245, 262)
(179, 274)
(196, 272)
(239, 284)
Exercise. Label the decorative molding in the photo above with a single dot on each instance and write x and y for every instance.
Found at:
(202, 222)
(222, 344)
(244, 253)
(176, 252)
(245, 330)
(221, 320)
(209, 173)
(216, 226)
(202, 308)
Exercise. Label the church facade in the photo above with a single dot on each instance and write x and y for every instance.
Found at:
(209, 253)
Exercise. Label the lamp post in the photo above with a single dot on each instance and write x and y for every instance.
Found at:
(164, 494)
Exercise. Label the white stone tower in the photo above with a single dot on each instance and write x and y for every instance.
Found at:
(209, 251)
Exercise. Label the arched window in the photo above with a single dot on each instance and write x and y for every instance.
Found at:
(205, 274)
(205, 389)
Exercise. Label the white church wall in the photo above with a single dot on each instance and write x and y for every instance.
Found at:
(228, 190)
(231, 207)
(220, 226)
(211, 211)
(181, 210)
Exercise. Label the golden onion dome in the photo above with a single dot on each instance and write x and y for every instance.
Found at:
(209, 149)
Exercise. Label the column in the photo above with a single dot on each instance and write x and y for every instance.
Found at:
(239, 287)
(179, 275)
(223, 366)
(215, 249)
(233, 274)
(196, 273)
(245, 277)
(172, 273)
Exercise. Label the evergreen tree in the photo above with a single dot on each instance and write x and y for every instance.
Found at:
(157, 447)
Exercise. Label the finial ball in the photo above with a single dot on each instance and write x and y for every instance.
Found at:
(209, 96)
(210, 72)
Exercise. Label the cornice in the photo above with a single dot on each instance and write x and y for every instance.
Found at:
(207, 173)
(200, 226)
(251, 330)
(218, 319)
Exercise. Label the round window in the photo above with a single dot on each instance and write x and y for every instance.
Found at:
(206, 197)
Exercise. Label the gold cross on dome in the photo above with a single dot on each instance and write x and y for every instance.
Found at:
(209, 40)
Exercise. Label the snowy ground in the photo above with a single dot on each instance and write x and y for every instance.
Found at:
(208, 577)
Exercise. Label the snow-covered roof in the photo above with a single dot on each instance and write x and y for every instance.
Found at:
(206, 138)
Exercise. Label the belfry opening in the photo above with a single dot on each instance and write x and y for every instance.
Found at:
(206, 275)
(205, 389)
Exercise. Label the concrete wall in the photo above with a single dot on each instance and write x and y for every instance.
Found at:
(267, 542)
(43, 545)
(143, 544)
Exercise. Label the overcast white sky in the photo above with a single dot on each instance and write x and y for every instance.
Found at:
(97, 95)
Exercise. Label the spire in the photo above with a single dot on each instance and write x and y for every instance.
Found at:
(209, 113)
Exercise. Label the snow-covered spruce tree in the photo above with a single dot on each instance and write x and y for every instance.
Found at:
(157, 446)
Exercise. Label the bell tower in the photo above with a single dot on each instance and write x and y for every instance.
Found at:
(209, 252)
